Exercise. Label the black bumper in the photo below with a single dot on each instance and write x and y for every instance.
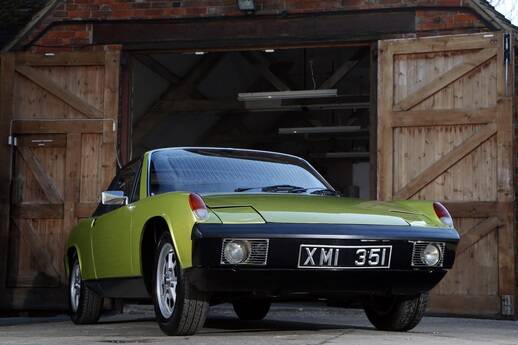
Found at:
(282, 276)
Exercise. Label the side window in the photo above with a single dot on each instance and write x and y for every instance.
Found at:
(123, 181)
(135, 195)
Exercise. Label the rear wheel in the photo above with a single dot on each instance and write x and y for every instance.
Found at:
(396, 313)
(180, 309)
(85, 305)
(251, 309)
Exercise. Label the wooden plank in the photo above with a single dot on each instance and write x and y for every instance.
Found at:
(426, 118)
(447, 43)
(468, 305)
(57, 126)
(47, 185)
(473, 209)
(444, 163)
(506, 235)
(72, 175)
(476, 233)
(85, 210)
(45, 261)
(69, 98)
(37, 210)
(7, 64)
(158, 68)
(373, 123)
(457, 72)
(42, 140)
(61, 59)
(262, 65)
(385, 133)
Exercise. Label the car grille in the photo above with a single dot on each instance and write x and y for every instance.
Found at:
(258, 251)
(419, 247)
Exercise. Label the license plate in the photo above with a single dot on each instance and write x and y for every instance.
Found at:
(345, 257)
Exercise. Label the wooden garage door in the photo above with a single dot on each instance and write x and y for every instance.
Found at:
(445, 133)
(59, 112)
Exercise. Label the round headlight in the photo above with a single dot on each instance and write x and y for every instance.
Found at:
(236, 252)
(431, 255)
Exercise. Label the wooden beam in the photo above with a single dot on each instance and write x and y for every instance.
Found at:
(66, 96)
(61, 59)
(262, 65)
(445, 43)
(7, 63)
(373, 122)
(157, 67)
(476, 233)
(427, 118)
(445, 79)
(446, 161)
(158, 111)
(473, 209)
(339, 74)
(58, 126)
(47, 185)
(37, 210)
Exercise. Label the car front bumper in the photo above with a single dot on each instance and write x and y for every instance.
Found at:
(282, 274)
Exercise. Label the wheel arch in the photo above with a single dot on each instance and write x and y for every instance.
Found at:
(153, 228)
(69, 256)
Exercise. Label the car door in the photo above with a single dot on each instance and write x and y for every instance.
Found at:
(111, 228)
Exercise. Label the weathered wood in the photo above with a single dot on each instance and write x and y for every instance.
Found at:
(69, 98)
(58, 126)
(42, 140)
(469, 64)
(36, 210)
(446, 162)
(339, 74)
(425, 118)
(469, 305)
(85, 210)
(506, 235)
(262, 65)
(385, 135)
(448, 43)
(47, 185)
(61, 59)
(475, 234)
(473, 209)
(6, 113)
(373, 122)
(72, 170)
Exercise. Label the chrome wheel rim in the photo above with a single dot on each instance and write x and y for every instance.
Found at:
(75, 287)
(166, 281)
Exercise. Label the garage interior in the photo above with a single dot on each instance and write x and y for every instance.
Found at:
(310, 102)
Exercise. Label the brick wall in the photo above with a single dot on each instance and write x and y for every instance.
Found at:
(76, 36)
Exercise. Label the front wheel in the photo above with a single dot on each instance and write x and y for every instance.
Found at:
(396, 313)
(180, 309)
(84, 305)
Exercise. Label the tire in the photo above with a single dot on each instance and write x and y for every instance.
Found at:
(84, 305)
(184, 314)
(396, 313)
(251, 309)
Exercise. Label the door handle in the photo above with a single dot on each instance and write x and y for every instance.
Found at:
(93, 223)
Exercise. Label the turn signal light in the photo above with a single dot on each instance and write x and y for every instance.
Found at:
(443, 214)
(198, 207)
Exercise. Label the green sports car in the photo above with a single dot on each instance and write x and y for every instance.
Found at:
(192, 227)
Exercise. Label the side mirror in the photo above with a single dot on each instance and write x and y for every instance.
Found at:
(114, 197)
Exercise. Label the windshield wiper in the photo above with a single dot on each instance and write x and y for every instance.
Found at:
(325, 191)
(275, 188)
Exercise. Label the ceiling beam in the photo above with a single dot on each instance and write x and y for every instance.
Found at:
(263, 66)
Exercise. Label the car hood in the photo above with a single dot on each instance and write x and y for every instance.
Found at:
(304, 208)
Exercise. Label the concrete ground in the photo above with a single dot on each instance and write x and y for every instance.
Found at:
(286, 324)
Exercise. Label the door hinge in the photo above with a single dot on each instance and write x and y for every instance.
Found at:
(507, 305)
(11, 141)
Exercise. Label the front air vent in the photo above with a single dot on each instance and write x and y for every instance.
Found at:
(418, 250)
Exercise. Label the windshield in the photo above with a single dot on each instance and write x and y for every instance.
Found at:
(228, 170)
